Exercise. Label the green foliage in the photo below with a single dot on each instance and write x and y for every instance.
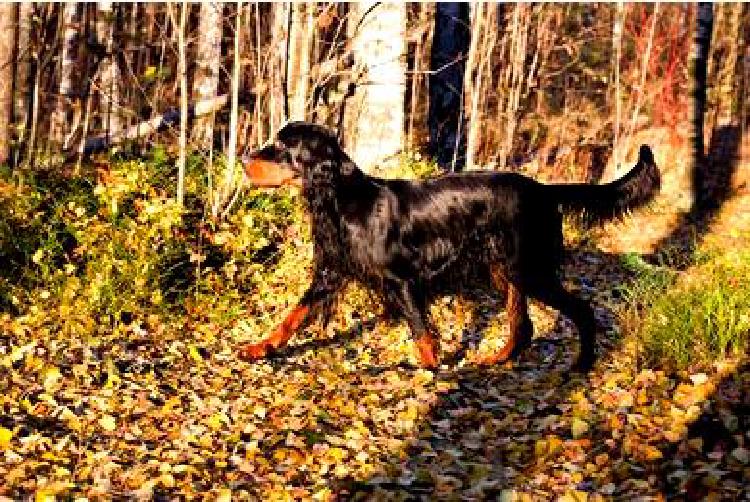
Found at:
(74, 254)
(410, 166)
(694, 319)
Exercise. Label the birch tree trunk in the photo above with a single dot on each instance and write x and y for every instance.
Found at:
(301, 34)
(698, 66)
(208, 59)
(376, 118)
(182, 75)
(7, 44)
(23, 85)
(109, 79)
(68, 72)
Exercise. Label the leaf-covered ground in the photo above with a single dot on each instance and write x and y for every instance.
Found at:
(158, 406)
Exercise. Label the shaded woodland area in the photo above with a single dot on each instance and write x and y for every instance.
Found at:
(135, 257)
(505, 85)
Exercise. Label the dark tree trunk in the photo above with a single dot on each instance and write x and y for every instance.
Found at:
(449, 49)
(704, 20)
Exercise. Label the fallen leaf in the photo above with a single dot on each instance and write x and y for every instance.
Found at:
(5, 436)
(699, 378)
(108, 423)
(579, 427)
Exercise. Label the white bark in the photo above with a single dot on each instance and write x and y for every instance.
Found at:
(23, 92)
(7, 42)
(109, 72)
(298, 60)
(208, 51)
(68, 73)
(376, 122)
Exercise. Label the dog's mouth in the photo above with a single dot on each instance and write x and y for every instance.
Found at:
(270, 174)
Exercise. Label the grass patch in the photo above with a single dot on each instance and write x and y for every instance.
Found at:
(692, 319)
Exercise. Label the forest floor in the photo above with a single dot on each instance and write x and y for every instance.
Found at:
(164, 410)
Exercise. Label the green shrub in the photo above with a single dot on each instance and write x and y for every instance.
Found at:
(77, 256)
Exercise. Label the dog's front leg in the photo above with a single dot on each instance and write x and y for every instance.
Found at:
(316, 297)
(279, 337)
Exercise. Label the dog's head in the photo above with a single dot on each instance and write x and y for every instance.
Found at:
(301, 153)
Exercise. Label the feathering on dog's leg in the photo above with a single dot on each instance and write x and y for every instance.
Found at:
(279, 337)
(520, 327)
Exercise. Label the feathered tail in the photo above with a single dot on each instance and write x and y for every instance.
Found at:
(607, 201)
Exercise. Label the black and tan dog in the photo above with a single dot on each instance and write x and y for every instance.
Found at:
(399, 237)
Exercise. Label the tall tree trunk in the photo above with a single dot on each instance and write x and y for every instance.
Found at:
(182, 76)
(617, 56)
(278, 106)
(109, 79)
(68, 72)
(449, 45)
(515, 77)
(231, 154)
(377, 115)
(7, 44)
(483, 38)
(418, 99)
(23, 84)
(699, 64)
(301, 34)
(206, 80)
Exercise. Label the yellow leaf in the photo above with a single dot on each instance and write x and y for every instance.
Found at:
(150, 72)
(224, 495)
(260, 412)
(216, 420)
(651, 453)
(578, 428)
(672, 436)
(44, 495)
(574, 496)
(5, 436)
(51, 376)
(108, 423)
(194, 354)
(323, 494)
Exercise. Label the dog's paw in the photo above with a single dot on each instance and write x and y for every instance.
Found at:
(252, 351)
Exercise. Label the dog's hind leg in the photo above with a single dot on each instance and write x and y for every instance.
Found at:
(410, 299)
(580, 312)
(520, 327)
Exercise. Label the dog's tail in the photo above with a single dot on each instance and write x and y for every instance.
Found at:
(609, 200)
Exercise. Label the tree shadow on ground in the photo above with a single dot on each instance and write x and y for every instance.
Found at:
(712, 188)
(518, 428)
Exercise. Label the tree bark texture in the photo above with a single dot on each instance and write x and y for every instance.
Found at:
(450, 45)
(376, 119)
(7, 43)
(208, 58)
(699, 66)
(109, 74)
